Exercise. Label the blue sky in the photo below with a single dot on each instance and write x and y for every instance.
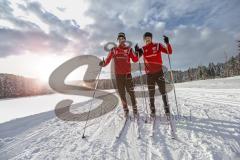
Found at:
(47, 32)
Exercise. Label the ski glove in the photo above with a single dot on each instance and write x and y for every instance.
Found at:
(166, 39)
(101, 63)
(138, 51)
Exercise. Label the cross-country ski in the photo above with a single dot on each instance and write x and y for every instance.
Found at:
(153, 121)
(172, 126)
(122, 127)
(137, 126)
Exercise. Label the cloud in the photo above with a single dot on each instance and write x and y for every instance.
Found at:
(63, 35)
(209, 13)
(7, 14)
(196, 38)
(19, 42)
(67, 27)
(200, 31)
(199, 46)
(224, 16)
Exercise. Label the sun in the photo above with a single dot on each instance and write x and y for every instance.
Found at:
(38, 66)
(47, 64)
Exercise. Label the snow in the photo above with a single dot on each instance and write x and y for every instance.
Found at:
(223, 83)
(209, 128)
(22, 107)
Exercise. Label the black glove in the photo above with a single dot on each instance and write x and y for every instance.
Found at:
(136, 48)
(101, 63)
(166, 39)
(138, 51)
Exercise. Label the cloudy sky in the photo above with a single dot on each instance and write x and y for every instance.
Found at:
(38, 36)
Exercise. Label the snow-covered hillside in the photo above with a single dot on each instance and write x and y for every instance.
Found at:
(208, 129)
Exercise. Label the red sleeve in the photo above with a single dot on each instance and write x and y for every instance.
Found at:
(133, 56)
(109, 57)
(167, 50)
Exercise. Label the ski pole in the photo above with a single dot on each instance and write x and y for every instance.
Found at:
(142, 83)
(95, 88)
(172, 79)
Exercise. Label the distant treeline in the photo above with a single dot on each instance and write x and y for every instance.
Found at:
(228, 69)
(231, 67)
(12, 86)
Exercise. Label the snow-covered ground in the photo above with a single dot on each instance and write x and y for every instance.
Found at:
(25, 106)
(208, 129)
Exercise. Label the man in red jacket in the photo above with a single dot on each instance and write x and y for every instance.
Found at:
(121, 56)
(153, 67)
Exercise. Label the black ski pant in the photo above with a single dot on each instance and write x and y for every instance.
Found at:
(125, 82)
(157, 78)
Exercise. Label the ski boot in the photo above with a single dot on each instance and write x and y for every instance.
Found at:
(126, 112)
(135, 113)
(153, 113)
(167, 111)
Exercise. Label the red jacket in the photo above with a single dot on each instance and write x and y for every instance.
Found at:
(121, 56)
(152, 56)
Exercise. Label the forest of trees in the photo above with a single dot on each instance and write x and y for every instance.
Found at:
(228, 69)
(18, 86)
